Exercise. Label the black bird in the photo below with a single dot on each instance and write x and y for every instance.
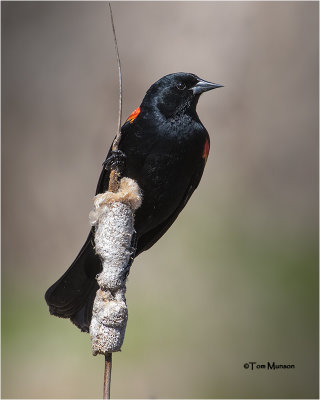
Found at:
(164, 147)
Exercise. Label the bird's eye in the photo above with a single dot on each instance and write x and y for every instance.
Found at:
(181, 86)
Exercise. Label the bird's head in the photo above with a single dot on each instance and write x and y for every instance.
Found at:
(177, 93)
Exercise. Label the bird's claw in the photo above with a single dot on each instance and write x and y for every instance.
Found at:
(116, 160)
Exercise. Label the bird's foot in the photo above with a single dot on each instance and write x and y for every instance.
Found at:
(116, 160)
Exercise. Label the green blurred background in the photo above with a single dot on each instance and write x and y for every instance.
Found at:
(236, 278)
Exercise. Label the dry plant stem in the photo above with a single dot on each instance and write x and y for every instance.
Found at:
(107, 375)
(118, 137)
(113, 218)
(114, 184)
(114, 181)
(114, 173)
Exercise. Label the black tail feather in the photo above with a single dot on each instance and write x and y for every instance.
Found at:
(73, 294)
(82, 318)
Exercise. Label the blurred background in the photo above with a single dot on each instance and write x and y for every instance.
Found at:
(236, 278)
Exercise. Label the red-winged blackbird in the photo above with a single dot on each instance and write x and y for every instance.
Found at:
(164, 147)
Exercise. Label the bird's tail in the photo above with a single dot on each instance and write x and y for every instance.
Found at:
(73, 294)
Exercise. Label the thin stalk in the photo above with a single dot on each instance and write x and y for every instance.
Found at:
(118, 137)
(114, 173)
(107, 376)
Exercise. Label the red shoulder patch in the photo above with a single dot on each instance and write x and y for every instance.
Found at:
(206, 150)
(133, 115)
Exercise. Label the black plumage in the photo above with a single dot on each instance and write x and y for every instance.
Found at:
(164, 147)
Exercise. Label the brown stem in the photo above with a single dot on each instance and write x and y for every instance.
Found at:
(114, 179)
(107, 376)
(118, 137)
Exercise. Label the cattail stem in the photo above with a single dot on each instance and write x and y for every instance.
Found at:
(118, 137)
(107, 376)
(114, 174)
(114, 185)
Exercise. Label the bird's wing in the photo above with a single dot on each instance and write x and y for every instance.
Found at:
(148, 239)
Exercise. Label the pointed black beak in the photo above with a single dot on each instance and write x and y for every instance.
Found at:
(204, 86)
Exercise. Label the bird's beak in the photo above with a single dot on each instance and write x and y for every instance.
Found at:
(204, 86)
